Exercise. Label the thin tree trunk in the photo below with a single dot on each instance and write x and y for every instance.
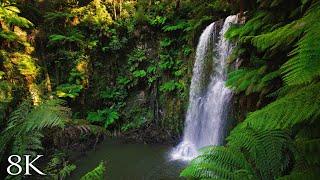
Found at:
(114, 9)
(177, 5)
(120, 8)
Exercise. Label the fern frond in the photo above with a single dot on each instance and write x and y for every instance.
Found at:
(249, 153)
(218, 162)
(8, 36)
(26, 123)
(251, 80)
(29, 143)
(66, 171)
(72, 36)
(312, 173)
(48, 114)
(309, 150)
(265, 148)
(206, 171)
(297, 107)
(244, 33)
(10, 15)
(304, 66)
(279, 38)
(180, 25)
(54, 16)
(95, 174)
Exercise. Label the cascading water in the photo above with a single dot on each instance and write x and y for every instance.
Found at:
(209, 97)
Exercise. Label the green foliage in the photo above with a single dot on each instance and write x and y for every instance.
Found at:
(73, 36)
(68, 90)
(108, 116)
(180, 25)
(244, 33)
(58, 168)
(139, 73)
(280, 140)
(9, 36)
(135, 124)
(251, 80)
(304, 65)
(112, 94)
(158, 20)
(53, 17)
(165, 42)
(187, 50)
(249, 154)
(168, 86)
(297, 107)
(26, 124)
(172, 85)
(136, 117)
(95, 174)
(10, 15)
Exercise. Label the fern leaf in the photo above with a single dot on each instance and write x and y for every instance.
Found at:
(304, 66)
(95, 174)
(295, 108)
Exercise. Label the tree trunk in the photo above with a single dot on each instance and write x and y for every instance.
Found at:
(120, 8)
(177, 5)
(114, 9)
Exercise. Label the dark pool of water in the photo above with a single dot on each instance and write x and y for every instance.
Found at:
(130, 161)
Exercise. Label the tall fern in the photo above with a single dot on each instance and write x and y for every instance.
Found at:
(26, 124)
(281, 140)
(249, 154)
(304, 66)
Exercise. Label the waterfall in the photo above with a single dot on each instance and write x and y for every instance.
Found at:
(209, 97)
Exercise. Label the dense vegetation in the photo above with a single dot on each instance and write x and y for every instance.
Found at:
(72, 71)
(279, 50)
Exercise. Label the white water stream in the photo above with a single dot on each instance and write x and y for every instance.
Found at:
(209, 97)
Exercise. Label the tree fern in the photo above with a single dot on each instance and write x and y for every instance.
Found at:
(304, 66)
(26, 123)
(279, 38)
(282, 138)
(49, 114)
(249, 154)
(295, 108)
(244, 33)
(251, 80)
(266, 148)
(218, 162)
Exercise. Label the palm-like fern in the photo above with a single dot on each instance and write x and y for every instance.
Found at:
(249, 154)
(281, 140)
(304, 66)
(300, 106)
(26, 123)
(251, 80)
